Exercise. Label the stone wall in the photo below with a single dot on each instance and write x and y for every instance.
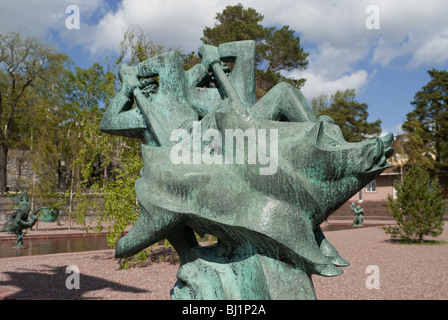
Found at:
(19, 171)
(6, 208)
(21, 176)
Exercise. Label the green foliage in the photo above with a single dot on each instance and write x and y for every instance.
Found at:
(69, 111)
(414, 147)
(136, 47)
(109, 165)
(235, 23)
(419, 207)
(267, 79)
(427, 124)
(26, 67)
(277, 49)
(67, 144)
(350, 115)
(120, 207)
(189, 59)
(282, 50)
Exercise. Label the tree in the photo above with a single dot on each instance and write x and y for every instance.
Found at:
(419, 207)
(93, 153)
(427, 124)
(23, 63)
(135, 47)
(413, 147)
(277, 49)
(117, 156)
(235, 23)
(349, 114)
(49, 142)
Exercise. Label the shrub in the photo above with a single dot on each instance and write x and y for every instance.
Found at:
(418, 208)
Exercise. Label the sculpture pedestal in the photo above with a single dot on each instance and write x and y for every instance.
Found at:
(243, 276)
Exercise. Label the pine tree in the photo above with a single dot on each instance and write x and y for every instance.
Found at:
(349, 114)
(278, 49)
(419, 207)
(427, 124)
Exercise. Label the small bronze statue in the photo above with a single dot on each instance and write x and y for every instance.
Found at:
(19, 220)
(359, 212)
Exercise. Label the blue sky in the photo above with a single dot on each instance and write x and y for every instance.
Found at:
(385, 65)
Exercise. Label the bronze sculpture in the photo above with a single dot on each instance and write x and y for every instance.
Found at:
(267, 221)
(359, 212)
(20, 219)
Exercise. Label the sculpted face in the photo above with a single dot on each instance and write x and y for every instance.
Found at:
(339, 169)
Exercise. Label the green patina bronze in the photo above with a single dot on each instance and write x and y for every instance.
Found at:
(20, 220)
(48, 214)
(267, 224)
(358, 221)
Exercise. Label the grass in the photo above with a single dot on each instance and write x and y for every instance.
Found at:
(424, 243)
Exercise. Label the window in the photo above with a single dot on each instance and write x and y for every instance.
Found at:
(371, 187)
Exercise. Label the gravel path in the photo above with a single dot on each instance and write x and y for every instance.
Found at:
(403, 272)
(406, 272)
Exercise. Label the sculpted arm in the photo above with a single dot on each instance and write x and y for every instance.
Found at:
(119, 118)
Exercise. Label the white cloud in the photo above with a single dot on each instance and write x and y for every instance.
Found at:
(396, 130)
(337, 36)
(344, 54)
(317, 84)
(412, 32)
(433, 51)
(37, 18)
(172, 23)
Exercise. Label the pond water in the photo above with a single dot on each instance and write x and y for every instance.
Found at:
(49, 246)
(78, 244)
(336, 227)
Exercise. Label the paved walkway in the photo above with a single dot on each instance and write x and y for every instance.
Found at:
(101, 267)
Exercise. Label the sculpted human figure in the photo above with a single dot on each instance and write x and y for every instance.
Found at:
(18, 221)
(268, 225)
(359, 212)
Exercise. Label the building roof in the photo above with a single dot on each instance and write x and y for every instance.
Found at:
(392, 171)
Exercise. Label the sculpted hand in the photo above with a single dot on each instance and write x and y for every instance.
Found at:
(209, 55)
(128, 77)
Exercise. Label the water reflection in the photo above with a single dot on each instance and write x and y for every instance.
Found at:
(50, 246)
(79, 244)
(337, 227)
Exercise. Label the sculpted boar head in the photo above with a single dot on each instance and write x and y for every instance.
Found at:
(336, 168)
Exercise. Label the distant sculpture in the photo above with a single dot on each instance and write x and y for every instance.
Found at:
(18, 221)
(264, 200)
(359, 212)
